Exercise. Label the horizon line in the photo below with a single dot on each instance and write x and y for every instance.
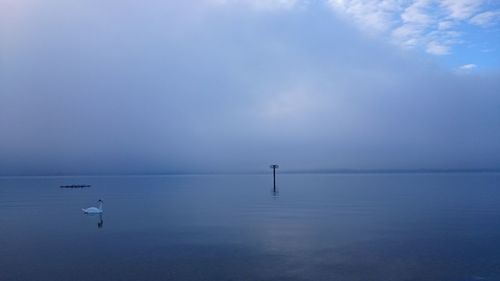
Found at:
(290, 171)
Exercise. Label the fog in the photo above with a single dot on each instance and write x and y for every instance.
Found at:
(116, 87)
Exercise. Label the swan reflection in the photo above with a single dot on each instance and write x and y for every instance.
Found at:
(100, 221)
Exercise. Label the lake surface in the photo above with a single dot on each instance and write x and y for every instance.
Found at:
(436, 227)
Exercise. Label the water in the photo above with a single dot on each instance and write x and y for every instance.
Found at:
(319, 227)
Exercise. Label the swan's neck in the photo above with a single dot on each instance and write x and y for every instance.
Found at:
(100, 206)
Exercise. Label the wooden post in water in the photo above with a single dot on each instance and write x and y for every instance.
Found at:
(274, 167)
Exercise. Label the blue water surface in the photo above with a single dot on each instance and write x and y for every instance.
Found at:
(386, 227)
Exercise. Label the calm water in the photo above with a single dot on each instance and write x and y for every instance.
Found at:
(320, 227)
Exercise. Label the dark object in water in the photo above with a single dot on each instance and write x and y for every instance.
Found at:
(75, 186)
(274, 167)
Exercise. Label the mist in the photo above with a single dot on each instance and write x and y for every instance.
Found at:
(124, 87)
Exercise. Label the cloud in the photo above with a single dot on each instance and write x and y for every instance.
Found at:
(486, 19)
(436, 48)
(466, 69)
(417, 13)
(110, 88)
(428, 24)
(468, 66)
(462, 9)
(445, 24)
(378, 15)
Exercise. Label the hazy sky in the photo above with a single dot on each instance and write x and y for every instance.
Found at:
(127, 86)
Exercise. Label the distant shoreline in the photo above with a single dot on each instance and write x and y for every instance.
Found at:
(393, 171)
(281, 171)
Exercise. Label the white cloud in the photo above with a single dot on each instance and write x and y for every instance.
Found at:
(231, 88)
(417, 13)
(446, 24)
(431, 25)
(378, 15)
(436, 48)
(468, 66)
(465, 69)
(428, 24)
(486, 19)
(461, 9)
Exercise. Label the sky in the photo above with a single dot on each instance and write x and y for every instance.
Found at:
(133, 87)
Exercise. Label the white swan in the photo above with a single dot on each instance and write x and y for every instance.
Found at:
(94, 210)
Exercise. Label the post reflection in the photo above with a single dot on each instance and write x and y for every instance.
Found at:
(275, 193)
